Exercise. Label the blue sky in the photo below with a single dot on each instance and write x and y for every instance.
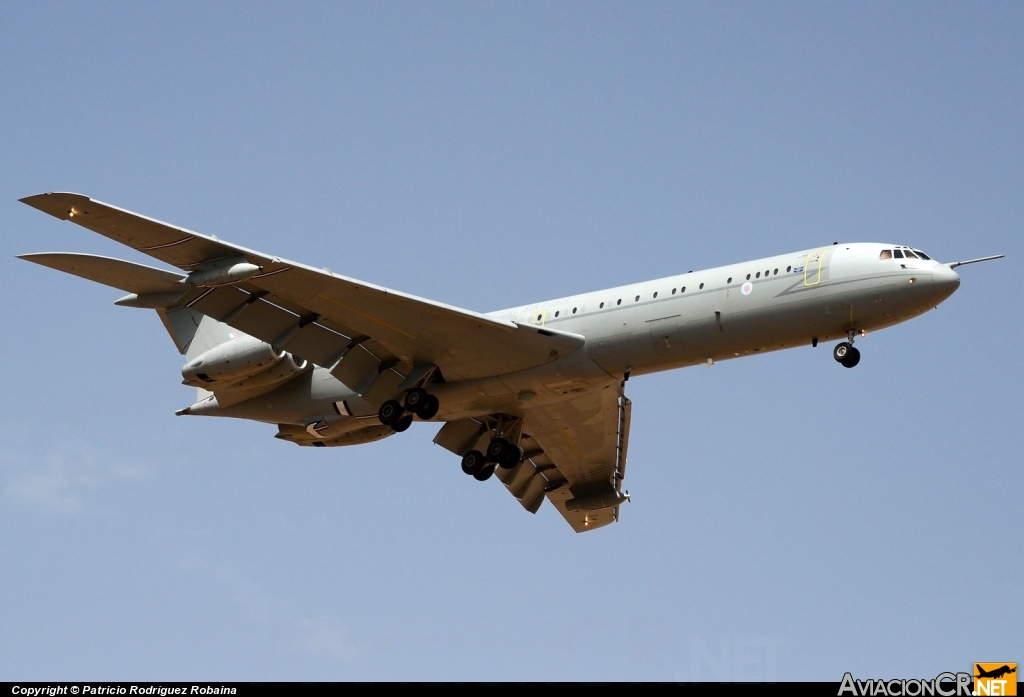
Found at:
(790, 519)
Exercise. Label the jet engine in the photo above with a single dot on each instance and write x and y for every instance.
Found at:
(234, 361)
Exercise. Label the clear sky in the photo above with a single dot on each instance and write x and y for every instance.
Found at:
(790, 519)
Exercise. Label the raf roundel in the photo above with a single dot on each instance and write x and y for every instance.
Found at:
(747, 288)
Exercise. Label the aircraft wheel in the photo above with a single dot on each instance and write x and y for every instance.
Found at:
(428, 409)
(415, 399)
(390, 412)
(484, 474)
(473, 462)
(497, 448)
(852, 358)
(402, 424)
(842, 350)
(511, 457)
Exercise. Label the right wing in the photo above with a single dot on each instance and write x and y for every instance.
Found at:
(324, 317)
(575, 454)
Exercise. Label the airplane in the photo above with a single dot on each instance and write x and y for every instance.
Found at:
(995, 673)
(534, 395)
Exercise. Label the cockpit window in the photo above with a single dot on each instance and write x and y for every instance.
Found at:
(910, 254)
(922, 255)
(898, 253)
(885, 254)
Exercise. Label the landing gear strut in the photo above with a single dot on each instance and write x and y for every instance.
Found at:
(845, 354)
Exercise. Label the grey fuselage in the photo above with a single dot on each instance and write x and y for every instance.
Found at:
(712, 315)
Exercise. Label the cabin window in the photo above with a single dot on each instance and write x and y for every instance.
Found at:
(922, 254)
(766, 272)
(556, 313)
(701, 287)
(885, 254)
(538, 317)
(683, 289)
(619, 301)
(748, 276)
(636, 299)
(775, 273)
(898, 253)
(730, 280)
(602, 306)
(574, 310)
(758, 275)
(673, 291)
(655, 294)
(788, 269)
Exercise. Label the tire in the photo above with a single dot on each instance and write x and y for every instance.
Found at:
(473, 462)
(415, 398)
(511, 457)
(484, 474)
(842, 350)
(390, 412)
(497, 448)
(402, 424)
(852, 358)
(428, 409)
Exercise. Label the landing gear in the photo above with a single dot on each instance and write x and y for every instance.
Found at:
(846, 355)
(504, 453)
(417, 401)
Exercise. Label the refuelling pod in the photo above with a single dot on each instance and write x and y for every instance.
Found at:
(330, 431)
(230, 362)
(597, 501)
(285, 369)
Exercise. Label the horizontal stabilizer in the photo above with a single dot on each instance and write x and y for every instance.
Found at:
(133, 278)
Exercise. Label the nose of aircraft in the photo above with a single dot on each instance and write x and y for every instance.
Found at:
(945, 280)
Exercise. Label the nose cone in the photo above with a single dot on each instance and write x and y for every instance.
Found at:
(945, 281)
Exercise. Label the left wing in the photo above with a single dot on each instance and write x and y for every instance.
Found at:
(576, 455)
(321, 316)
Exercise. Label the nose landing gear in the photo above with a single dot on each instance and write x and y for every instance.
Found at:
(845, 354)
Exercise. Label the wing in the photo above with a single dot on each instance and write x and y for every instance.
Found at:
(578, 448)
(328, 319)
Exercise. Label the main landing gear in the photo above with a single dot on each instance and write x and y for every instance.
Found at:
(845, 354)
(500, 452)
(418, 402)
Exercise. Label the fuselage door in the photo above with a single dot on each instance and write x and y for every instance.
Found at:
(812, 268)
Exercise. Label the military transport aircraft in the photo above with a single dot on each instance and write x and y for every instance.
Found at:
(533, 394)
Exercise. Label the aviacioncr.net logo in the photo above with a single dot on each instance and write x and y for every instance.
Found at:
(943, 685)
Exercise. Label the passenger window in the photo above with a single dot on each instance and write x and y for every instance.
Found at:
(655, 293)
(683, 289)
(758, 275)
(775, 273)
(910, 254)
(556, 313)
(637, 299)
(619, 302)
(898, 253)
(748, 276)
(602, 306)
(885, 254)
(788, 269)
(574, 310)
(701, 287)
(673, 291)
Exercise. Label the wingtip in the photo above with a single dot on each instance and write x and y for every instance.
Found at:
(55, 203)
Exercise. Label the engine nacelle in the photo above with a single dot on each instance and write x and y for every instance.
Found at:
(230, 362)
